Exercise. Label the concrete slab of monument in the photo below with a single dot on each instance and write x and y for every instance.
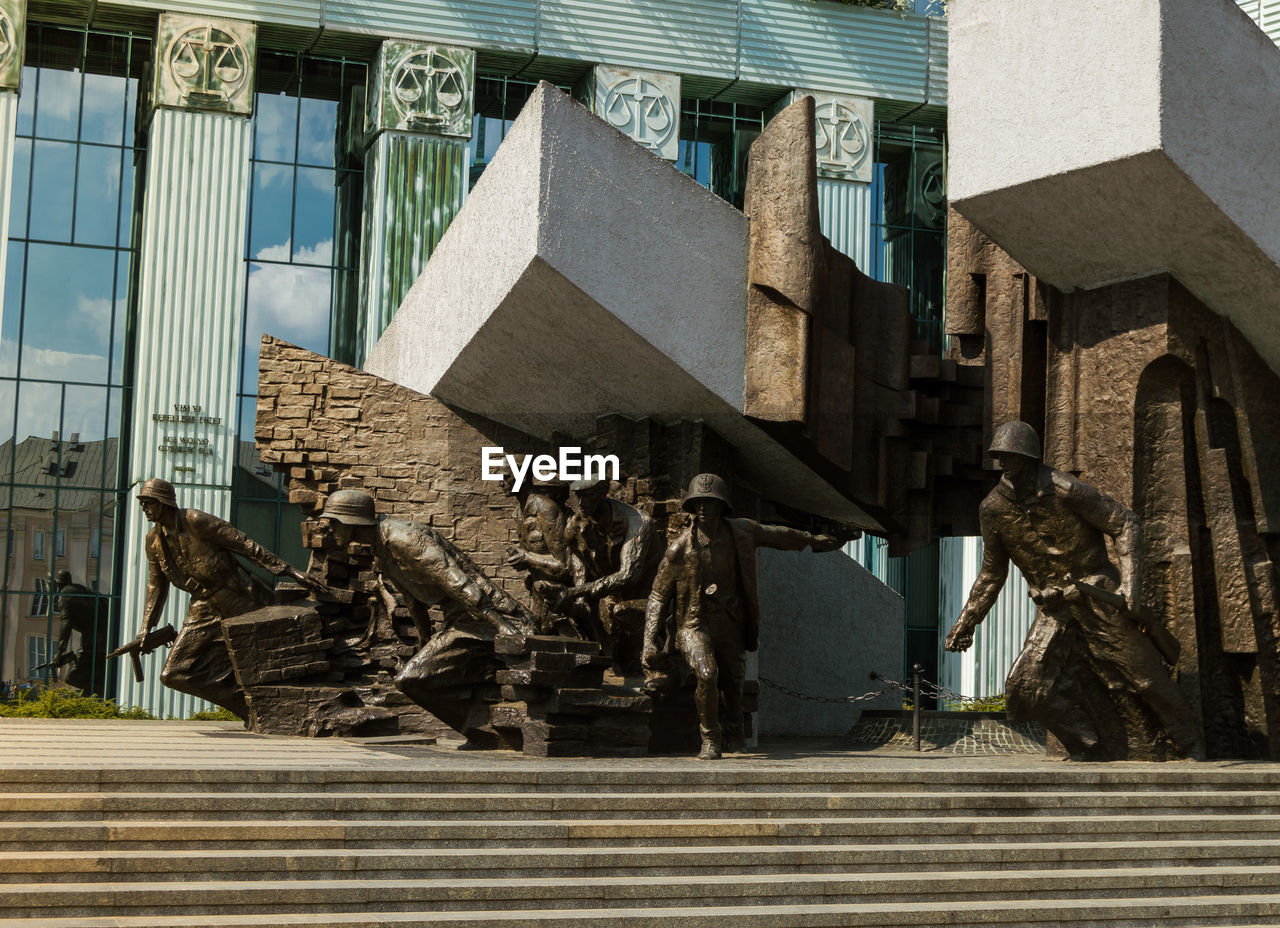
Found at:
(1098, 141)
(584, 276)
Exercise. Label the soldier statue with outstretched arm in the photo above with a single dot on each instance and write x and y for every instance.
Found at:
(708, 577)
(1054, 529)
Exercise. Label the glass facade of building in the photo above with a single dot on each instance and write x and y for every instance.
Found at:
(302, 253)
(65, 368)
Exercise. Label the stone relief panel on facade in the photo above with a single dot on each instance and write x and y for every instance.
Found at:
(423, 88)
(13, 21)
(644, 105)
(205, 64)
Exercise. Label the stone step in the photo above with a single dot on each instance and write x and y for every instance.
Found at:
(79, 900)
(1228, 911)
(413, 863)
(516, 774)
(78, 806)
(267, 833)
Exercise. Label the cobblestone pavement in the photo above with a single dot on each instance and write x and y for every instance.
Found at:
(970, 737)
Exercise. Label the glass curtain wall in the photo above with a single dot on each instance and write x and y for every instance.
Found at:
(302, 253)
(910, 196)
(714, 138)
(65, 372)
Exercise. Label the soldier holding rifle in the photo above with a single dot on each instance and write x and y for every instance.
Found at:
(195, 552)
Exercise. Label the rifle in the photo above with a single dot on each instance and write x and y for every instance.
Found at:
(56, 664)
(1168, 645)
(145, 645)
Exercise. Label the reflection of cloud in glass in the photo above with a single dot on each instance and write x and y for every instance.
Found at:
(58, 104)
(288, 301)
(275, 124)
(317, 128)
(83, 408)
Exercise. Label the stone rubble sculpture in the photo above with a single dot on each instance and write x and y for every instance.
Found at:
(1089, 672)
(195, 552)
(704, 605)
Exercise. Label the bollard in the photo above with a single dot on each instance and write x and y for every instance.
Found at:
(915, 703)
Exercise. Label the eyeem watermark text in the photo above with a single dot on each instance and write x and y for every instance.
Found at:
(569, 464)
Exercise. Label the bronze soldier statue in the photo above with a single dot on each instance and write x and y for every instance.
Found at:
(195, 552)
(541, 551)
(709, 576)
(610, 546)
(449, 676)
(1054, 528)
(84, 612)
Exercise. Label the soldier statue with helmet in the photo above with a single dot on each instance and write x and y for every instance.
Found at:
(704, 604)
(451, 673)
(1093, 653)
(196, 552)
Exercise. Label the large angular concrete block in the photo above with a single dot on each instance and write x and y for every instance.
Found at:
(1098, 141)
(585, 276)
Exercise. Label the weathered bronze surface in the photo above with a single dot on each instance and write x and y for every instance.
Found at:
(1090, 672)
(83, 612)
(541, 551)
(195, 552)
(1145, 392)
(834, 369)
(704, 606)
(453, 675)
(612, 550)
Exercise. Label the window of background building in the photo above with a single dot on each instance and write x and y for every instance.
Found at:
(302, 252)
(37, 651)
(64, 365)
(37, 546)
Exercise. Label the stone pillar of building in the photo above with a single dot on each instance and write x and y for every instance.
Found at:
(13, 34)
(418, 118)
(190, 293)
(642, 104)
(845, 129)
(12, 47)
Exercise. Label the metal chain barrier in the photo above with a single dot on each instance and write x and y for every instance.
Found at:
(888, 687)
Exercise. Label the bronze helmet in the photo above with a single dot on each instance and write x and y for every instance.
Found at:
(1016, 438)
(350, 507)
(159, 490)
(707, 486)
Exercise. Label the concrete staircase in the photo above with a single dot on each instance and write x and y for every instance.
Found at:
(443, 838)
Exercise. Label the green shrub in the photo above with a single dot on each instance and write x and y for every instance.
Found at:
(214, 715)
(64, 702)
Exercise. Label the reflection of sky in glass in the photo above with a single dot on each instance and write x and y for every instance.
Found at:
(65, 307)
(288, 301)
(52, 194)
(316, 131)
(275, 127)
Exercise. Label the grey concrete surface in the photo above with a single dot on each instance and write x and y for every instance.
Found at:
(1099, 141)
(585, 276)
(826, 623)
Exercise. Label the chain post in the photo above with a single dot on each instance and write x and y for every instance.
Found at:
(915, 703)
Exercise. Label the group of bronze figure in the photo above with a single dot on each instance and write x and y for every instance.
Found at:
(584, 555)
(1094, 656)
